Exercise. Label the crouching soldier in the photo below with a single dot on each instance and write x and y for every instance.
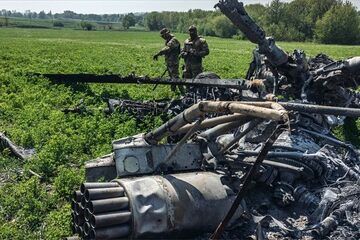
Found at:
(195, 49)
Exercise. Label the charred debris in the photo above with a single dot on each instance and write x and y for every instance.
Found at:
(15, 150)
(281, 172)
(233, 162)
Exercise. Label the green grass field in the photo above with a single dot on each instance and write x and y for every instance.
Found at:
(30, 111)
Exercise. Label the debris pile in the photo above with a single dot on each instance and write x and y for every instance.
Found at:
(229, 164)
(305, 187)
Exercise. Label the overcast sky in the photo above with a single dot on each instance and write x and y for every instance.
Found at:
(116, 6)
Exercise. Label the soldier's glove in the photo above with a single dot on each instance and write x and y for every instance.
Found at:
(183, 54)
(192, 52)
(155, 57)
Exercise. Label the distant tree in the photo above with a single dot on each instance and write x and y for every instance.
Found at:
(16, 14)
(69, 14)
(128, 21)
(283, 32)
(50, 15)
(340, 25)
(91, 17)
(28, 14)
(223, 27)
(302, 15)
(206, 29)
(42, 15)
(154, 21)
(320, 7)
(256, 12)
(86, 26)
(58, 24)
(276, 12)
(6, 21)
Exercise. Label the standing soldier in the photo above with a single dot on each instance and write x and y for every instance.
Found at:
(171, 52)
(195, 49)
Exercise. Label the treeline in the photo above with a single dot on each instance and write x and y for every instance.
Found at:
(84, 21)
(325, 21)
(114, 18)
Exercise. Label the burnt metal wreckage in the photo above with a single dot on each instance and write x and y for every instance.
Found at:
(15, 150)
(301, 176)
(230, 164)
(302, 180)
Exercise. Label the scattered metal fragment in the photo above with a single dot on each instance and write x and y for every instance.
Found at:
(80, 108)
(137, 108)
(15, 150)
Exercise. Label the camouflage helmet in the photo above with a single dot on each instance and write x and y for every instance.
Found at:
(164, 31)
(192, 28)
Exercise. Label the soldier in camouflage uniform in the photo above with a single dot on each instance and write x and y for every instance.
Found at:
(195, 49)
(171, 52)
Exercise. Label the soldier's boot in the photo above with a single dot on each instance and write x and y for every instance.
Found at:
(196, 70)
(187, 73)
(174, 74)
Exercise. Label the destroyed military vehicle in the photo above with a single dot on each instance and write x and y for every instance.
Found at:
(293, 177)
(235, 166)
